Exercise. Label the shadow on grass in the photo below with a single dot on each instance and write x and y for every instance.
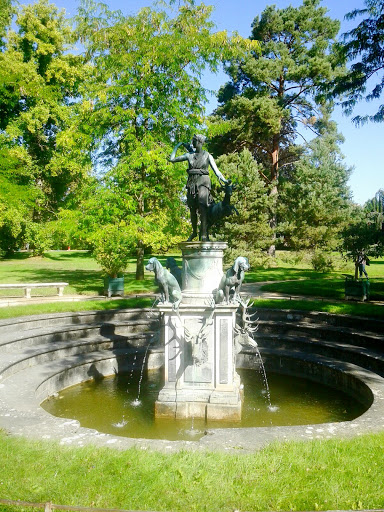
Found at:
(17, 256)
(61, 255)
(81, 282)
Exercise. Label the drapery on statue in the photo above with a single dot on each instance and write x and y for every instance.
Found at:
(199, 183)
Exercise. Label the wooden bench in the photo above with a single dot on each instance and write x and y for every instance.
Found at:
(28, 287)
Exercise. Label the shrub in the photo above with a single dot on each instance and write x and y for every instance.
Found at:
(322, 261)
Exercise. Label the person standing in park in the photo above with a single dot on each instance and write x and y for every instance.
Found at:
(363, 260)
(198, 183)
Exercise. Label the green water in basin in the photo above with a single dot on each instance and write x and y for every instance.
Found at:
(112, 405)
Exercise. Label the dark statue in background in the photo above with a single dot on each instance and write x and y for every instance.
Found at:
(199, 199)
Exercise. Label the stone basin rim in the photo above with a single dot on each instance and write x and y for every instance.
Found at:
(31, 421)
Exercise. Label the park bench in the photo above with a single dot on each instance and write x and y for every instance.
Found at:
(28, 287)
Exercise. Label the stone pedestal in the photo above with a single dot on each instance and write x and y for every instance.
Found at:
(202, 269)
(200, 376)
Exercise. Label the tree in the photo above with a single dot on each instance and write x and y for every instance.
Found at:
(364, 47)
(147, 92)
(361, 237)
(270, 93)
(6, 12)
(248, 233)
(316, 200)
(375, 208)
(38, 95)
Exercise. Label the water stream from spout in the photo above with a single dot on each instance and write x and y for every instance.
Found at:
(137, 401)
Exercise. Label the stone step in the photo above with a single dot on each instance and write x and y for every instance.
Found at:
(134, 344)
(373, 325)
(365, 357)
(26, 323)
(322, 332)
(16, 341)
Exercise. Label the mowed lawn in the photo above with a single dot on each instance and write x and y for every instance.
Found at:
(289, 275)
(82, 273)
(329, 285)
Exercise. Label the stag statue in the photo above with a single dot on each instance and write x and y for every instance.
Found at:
(224, 208)
(246, 328)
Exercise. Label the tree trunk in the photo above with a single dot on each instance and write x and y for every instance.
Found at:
(140, 262)
(140, 246)
(274, 192)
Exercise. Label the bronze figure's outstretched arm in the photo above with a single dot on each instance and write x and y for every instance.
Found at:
(173, 158)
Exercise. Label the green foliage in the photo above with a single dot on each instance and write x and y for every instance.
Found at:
(322, 261)
(6, 12)
(376, 204)
(146, 91)
(269, 93)
(375, 209)
(112, 247)
(315, 199)
(44, 160)
(272, 91)
(248, 233)
(40, 237)
(361, 237)
(364, 46)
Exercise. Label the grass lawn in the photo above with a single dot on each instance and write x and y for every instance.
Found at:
(315, 475)
(77, 268)
(316, 284)
(337, 308)
(85, 277)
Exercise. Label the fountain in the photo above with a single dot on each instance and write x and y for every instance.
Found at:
(206, 329)
(198, 335)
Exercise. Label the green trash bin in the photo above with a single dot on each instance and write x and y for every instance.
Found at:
(356, 290)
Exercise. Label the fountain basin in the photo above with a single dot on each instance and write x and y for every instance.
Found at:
(113, 406)
(42, 355)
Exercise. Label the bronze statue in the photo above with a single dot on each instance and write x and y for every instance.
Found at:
(169, 287)
(199, 196)
(232, 280)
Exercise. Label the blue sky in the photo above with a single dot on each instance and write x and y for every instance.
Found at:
(362, 145)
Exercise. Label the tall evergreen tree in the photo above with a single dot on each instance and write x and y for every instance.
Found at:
(270, 93)
(316, 201)
(247, 232)
(361, 237)
(364, 47)
(375, 208)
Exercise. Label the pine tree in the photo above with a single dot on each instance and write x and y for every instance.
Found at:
(247, 232)
(364, 47)
(272, 91)
(316, 201)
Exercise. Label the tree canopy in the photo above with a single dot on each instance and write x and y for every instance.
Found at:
(145, 92)
(38, 94)
(364, 47)
(271, 92)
